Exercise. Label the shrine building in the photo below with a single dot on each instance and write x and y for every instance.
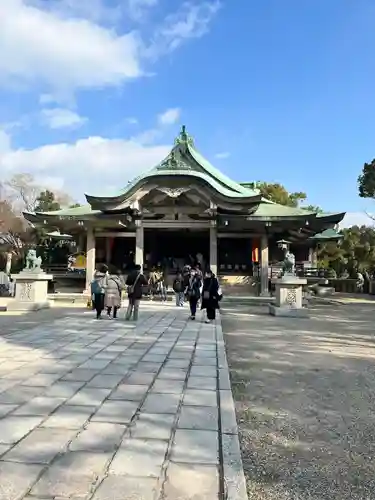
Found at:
(184, 207)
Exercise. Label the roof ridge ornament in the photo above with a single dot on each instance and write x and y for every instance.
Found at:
(172, 162)
(184, 137)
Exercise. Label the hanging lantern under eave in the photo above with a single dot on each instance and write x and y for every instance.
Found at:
(283, 244)
(255, 250)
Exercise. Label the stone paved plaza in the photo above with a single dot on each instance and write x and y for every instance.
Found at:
(112, 410)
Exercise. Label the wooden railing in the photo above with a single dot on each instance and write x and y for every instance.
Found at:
(61, 270)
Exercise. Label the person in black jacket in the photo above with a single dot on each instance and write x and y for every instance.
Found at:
(211, 295)
(135, 283)
(193, 292)
(178, 288)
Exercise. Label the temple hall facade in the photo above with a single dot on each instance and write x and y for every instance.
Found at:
(184, 209)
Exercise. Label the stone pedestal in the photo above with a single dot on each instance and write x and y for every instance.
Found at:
(31, 291)
(289, 297)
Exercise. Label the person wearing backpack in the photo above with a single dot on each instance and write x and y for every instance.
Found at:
(135, 282)
(98, 287)
(178, 288)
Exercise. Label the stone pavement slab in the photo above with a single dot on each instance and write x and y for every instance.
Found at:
(101, 410)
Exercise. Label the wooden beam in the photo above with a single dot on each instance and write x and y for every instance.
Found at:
(175, 224)
(113, 234)
(239, 235)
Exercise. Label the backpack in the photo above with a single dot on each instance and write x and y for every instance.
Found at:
(95, 287)
(178, 285)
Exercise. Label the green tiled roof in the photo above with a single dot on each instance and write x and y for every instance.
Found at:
(76, 211)
(328, 234)
(185, 160)
(219, 176)
(269, 209)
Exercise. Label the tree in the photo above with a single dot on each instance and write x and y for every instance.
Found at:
(13, 231)
(332, 256)
(358, 245)
(366, 181)
(277, 193)
(356, 251)
(313, 208)
(46, 202)
(23, 192)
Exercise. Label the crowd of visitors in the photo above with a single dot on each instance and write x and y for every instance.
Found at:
(191, 285)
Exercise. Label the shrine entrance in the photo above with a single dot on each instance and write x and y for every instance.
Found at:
(173, 248)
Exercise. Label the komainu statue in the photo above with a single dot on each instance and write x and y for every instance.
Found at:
(33, 263)
(289, 263)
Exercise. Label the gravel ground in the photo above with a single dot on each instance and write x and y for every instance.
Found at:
(305, 401)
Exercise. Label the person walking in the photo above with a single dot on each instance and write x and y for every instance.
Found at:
(135, 281)
(178, 288)
(193, 292)
(98, 286)
(163, 285)
(152, 283)
(211, 295)
(113, 291)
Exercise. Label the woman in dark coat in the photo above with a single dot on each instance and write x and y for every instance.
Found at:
(211, 295)
(135, 283)
(193, 292)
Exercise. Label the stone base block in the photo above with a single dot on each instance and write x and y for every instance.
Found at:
(15, 305)
(286, 312)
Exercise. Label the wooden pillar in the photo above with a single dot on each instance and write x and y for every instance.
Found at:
(213, 248)
(108, 250)
(264, 290)
(90, 257)
(81, 242)
(139, 242)
(313, 257)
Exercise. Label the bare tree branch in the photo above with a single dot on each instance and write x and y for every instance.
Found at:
(23, 192)
(372, 217)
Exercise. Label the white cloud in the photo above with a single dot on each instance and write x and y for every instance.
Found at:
(86, 165)
(95, 10)
(169, 117)
(356, 219)
(137, 9)
(5, 143)
(132, 120)
(148, 136)
(60, 46)
(223, 155)
(40, 46)
(190, 21)
(46, 99)
(62, 118)
(54, 183)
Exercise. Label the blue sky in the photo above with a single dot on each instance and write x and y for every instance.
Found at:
(271, 90)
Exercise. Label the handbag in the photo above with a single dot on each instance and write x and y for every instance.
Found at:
(207, 293)
(131, 288)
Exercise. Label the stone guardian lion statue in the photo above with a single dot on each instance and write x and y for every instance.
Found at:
(33, 263)
(289, 263)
